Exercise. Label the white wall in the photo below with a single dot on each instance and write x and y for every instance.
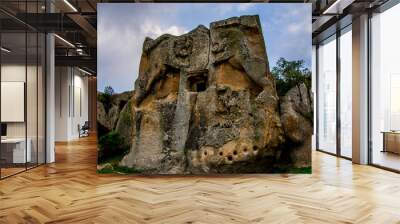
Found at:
(12, 73)
(71, 94)
(80, 110)
(62, 82)
(16, 73)
(33, 126)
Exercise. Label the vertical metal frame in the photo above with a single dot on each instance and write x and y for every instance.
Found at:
(37, 90)
(316, 109)
(369, 96)
(26, 86)
(338, 73)
(73, 91)
(339, 34)
(80, 102)
(45, 89)
(0, 92)
(69, 91)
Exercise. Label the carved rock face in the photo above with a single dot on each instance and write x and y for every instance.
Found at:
(166, 53)
(204, 102)
(183, 46)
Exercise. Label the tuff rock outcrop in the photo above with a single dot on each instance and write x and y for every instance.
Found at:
(204, 102)
(108, 115)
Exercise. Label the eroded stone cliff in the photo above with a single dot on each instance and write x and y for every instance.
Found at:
(204, 102)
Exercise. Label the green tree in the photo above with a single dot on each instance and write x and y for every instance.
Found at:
(108, 90)
(288, 74)
(106, 97)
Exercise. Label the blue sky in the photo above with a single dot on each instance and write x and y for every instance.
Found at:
(122, 28)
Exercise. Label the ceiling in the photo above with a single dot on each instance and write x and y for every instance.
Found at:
(330, 15)
(75, 22)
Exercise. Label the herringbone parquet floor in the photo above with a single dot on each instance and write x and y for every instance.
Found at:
(70, 191)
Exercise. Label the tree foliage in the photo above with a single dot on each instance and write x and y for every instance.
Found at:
(111, 145)
(288, 74)
(106, 97)
(108, 90)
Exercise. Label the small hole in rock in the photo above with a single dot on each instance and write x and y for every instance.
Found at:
(255, 148)
(230, 158)
(235, 152)
(205, 152)
(245, 150)
(198, 83)
(221, 153)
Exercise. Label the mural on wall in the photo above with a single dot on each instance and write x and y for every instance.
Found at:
(207, 102)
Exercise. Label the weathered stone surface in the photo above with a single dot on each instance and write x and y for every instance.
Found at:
(239, 41)
(296, 117)
(124, 124)
(109, 118)
(296, 110)
(204, 102)
(189, 51)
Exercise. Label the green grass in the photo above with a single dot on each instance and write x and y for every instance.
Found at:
(105, 170)
(301, 170)
(113, 160)
(119, 169)
(125, 169)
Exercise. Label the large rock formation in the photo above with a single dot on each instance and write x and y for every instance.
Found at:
(108, 113)
(204, 102)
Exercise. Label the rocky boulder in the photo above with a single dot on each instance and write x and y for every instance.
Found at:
(124, 124)
(296, 117)
(205, 102)
(108, 113)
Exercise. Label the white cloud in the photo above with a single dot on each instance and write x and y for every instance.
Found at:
(120, 42)
(244, 6)
(154, 30)
(294, 12)
(224, 8)
(295, 27)
(122, 29)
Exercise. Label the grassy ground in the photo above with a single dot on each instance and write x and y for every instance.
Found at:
(118, 169)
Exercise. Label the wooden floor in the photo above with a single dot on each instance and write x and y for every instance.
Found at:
(5, 172)
(70, 191)
(387, 159)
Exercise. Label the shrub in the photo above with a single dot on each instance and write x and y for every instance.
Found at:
(111, 146)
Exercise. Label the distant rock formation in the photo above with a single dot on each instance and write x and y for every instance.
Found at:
(204, 102)
(116, 115)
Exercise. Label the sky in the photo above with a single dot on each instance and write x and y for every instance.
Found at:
(122, 28)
